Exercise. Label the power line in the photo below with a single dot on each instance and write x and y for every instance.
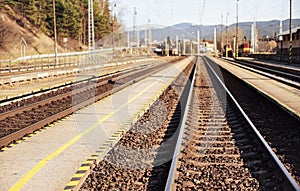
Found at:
(202, 12)
(151, 8)
(256, 6)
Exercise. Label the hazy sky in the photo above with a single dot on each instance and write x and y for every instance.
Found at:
(170, 12)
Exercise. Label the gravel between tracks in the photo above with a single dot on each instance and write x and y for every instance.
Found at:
(219, 151)
(141, 159)
(211, 158)
(279, 129)
(66, 98)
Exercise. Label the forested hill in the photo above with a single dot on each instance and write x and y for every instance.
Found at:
(36, 16)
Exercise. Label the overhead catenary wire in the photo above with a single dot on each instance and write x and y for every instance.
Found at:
(202, 11)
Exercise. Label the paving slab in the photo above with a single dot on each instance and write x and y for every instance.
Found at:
(286, 96)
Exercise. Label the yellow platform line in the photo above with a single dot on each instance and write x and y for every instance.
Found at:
(26, 178)
(80, 177)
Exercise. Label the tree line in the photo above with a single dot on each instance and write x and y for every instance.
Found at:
(71, 17)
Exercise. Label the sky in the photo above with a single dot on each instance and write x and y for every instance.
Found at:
(170, 12)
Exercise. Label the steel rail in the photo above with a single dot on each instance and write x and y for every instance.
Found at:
(112, 74)
(287, 175)
(283, 77)
(290, 180)
(4, 141)
(182, 127)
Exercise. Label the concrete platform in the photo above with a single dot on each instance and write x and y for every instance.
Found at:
(273, 63)
(48, 160)
(286, 96)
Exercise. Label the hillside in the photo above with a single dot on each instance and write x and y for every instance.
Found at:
(33, 22)
(13, 27)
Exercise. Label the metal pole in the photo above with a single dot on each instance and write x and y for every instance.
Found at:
(215, 40)
(179, 49)
(198, 45)
(252, 37)
(221, 39)
(177, 46)
(191, 47)
(237, 29)
(150, 34)
(146, 35)
(291, 35)
(184, 50)
(128, 39)
(226, 48)
(138, 38)
(234, 42)
(113, 29)
(133, 26)
(166, 48)
(55, 33)
(91, 32)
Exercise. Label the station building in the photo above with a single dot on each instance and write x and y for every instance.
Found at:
(283, 44)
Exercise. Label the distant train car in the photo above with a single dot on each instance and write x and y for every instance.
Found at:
(244, 49)
(162, 51)
(159, 50)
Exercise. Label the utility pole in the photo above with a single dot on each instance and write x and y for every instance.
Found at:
(113, 28)
(177, 47)
(55, 33)
(191, 47)
(167, 47)
(280, 37)
(138, 38)
(253, 37)
(221, 39)
(146, 35)
(226, 48)
(291, 35)
(184, 48)
(237, 30)
(234, 43)
(128, 39)
(198, 38)
(215, 40)
(134, 23)
(150, 34)
(91, 32)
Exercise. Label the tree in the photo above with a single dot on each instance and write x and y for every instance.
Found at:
(71, 15)
(68, 18)
(34, 11)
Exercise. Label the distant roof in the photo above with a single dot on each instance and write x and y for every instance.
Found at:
(294, 30)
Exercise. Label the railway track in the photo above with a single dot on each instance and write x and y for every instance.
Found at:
(222, 149)
(10, 81)
(278, 126)
(77, 80)
(218, 148)
(23, 117)
(141, 159)
(284, 75)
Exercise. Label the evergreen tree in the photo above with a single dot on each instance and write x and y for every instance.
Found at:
(71, 16)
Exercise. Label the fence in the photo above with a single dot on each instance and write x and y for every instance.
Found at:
(277, 57)
(46, 61)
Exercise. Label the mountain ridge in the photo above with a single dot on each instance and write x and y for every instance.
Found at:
(189, 30)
